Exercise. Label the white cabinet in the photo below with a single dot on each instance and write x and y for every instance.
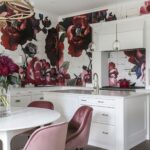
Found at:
(130, 34)
(20, 101)
(102, 130)
(104, 115)
(102, 135)
(118, 122)
(21, 97)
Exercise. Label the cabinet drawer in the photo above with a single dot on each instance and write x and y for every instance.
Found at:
(22, 101)
(103, 102)
(102, 135)
(37, 97)
(103, 115)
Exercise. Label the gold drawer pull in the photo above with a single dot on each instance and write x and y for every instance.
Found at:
(106, 133)
(105, 115)
(17, 100)
(41, 98)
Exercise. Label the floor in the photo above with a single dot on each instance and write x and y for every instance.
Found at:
(143, 146)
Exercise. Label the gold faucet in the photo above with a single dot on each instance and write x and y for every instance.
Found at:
(96, 83)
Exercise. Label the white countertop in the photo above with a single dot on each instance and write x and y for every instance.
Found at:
(101, 92)
(81, 90)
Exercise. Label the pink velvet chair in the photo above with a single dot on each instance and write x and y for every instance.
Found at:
(42, 104)
(79, 128)
(51, 137)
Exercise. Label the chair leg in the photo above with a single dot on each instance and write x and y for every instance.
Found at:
(81, 148)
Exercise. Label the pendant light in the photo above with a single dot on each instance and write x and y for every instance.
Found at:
(116, 43)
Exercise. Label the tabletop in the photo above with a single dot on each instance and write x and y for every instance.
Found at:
(27, 117)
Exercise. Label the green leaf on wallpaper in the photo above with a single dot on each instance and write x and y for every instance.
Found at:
(62, 37)
(13, 80)
(41, 16)
(61, 28)
(65, 65)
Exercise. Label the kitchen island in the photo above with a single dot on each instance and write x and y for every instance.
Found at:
(120, 118)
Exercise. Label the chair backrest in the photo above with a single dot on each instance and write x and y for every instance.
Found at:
(51, 137)
(80, 128)
(42, 104)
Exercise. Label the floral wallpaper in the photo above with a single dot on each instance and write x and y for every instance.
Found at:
(23, 33)
(67, 47)
(129, 65)
(56, 68)
(77, 32)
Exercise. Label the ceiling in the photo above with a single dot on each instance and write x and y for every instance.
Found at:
(66, 7)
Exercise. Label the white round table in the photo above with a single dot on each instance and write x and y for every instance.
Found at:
(22, 119)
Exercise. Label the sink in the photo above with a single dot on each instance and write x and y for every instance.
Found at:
(76, 91)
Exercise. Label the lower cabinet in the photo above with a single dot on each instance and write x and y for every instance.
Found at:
(20, 101)
(23, 98)
(102, 135)
(102, 132)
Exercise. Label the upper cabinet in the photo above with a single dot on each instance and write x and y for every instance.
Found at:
(130, 34)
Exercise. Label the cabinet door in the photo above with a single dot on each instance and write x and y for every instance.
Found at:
(64, 103)
(37, 97)
(104, 115)
(102, 135)
(20, 101)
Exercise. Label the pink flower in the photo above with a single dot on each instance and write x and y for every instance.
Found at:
(146, 8)
(7, 66)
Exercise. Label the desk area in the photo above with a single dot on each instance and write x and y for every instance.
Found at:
(22, 119)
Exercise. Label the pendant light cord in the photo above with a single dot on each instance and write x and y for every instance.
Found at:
(116, 33)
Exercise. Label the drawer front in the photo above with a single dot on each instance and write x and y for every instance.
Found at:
(21, 93)
(104, 115)
(20, 101)
(102, 102)
(37, 97)
(102, 135)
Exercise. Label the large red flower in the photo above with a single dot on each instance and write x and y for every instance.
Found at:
(54, 48)
(19, 32)
(7, 66)
(79, 35)
(10, 38)
(37, 71)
